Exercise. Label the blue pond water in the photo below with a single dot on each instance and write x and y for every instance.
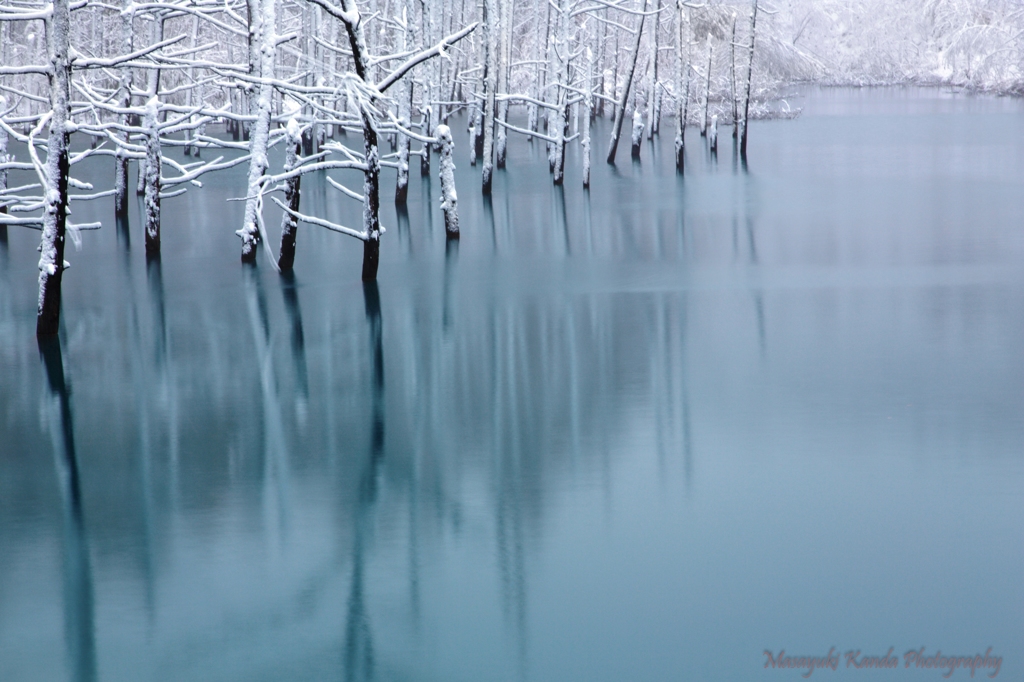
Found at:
(645, 433)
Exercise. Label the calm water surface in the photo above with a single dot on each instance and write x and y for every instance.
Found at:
(644, 433)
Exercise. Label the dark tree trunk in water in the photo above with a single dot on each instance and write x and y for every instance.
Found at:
(750, 77)
(51, 274)
(289, 223)
(490, 18)
(371, 200)
(3, 173)
(124, 100)
(683, 84)
(51, 247)
(371, 176)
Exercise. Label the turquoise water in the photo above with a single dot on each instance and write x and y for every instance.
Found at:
(642, 433)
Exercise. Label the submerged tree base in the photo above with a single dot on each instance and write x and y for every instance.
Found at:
(371, 257)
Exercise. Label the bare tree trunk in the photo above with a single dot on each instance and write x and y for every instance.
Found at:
(620, 109)
(449, 197)
(192, 91)
(289, 223)
(371, 200)
(4, 158)
(255, 38)
(490, 82)
(638, 131)
(51, 246)
(750, 77)
(429, 87)
(588, 112)
(560, 74)
(124, 100)
(682, 85)
(260, 133)
(152, 90)
(504, 59)
(405, 95)
(707, 95)
(735, 113)
(371, 176)
(152, 179)
(654, 95)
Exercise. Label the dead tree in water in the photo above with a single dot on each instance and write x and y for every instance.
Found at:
(4, 159)
(289, 224)
(55, 181)
(588, 113)
(732, 79)
(654, 90)
(620, 108)
(682, 85)
(152, 177)
(124, 100)
(504, 59)
(707, 95)
(750, 77)
(449, 197)
(54, 175)
(365, 96)
(490, 80)
(259, 136)
(638, 132)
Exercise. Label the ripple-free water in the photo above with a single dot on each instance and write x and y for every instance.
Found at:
(642, 433)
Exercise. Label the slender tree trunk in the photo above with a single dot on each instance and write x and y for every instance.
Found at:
(51, 246)
(707, 95)
(682, 85)
(654, 94)
(446, 170)
(289, 223)
(192, 91)
(750, 78)
(152, 179)
(504, 59)
(560, 73)
(371, 176)
(371, 201)
(260, 134)
(620, 109)
(735, 112)
(588, 112)
(638, 131)
(4, 158)
(255, 40)
(124, 100)
(405, 95)
(429, 86)
(490, 83)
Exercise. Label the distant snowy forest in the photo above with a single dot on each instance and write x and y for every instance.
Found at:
(137, 79)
